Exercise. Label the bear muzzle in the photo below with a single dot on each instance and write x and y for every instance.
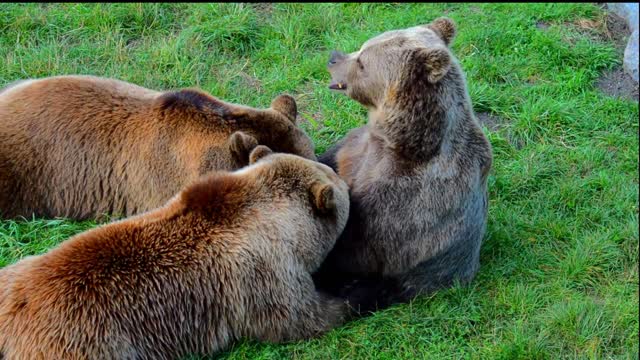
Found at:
(337, 86)
(335, 60)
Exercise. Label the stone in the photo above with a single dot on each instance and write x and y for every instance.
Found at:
(629, 12)
(631, 56)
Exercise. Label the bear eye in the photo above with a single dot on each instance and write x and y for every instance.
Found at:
(360, 64)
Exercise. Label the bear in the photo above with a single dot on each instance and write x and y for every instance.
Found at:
(229, 257)
(81, 147)
(417, 171)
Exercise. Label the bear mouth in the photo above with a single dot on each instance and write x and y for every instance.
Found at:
(338, 85)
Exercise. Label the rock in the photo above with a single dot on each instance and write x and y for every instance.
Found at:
(631, 56)
(629, 12)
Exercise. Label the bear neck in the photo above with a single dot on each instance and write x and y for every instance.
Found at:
(220, 196)
(419, 117)
(414, 122)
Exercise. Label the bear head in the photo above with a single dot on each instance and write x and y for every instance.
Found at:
(412, 85)
(304, 199)
(275, 127)
(318, 198)
(394, 62)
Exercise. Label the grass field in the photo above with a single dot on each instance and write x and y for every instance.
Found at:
(559, 265)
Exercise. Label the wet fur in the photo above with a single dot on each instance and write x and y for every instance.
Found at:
(83, 146)
(229, 257)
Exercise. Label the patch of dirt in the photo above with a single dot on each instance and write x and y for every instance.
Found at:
(534, 79)
(595, 29)
(492, 122)
(262, 8)
(133, 43)
(617, 31)
(607, 28)
(249, 81)
(496, 123)
(542, 25)
(617, 83)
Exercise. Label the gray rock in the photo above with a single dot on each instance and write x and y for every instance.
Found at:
(629, 12)
(631, 56)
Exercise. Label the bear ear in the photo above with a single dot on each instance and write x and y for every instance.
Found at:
(437, 61)
(323, 197)
(241, 145)
(258, 153)
(445, 28)
(286, 105)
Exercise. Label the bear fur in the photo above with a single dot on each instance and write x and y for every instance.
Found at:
(83, 146)
(228, 257)
(417, 172)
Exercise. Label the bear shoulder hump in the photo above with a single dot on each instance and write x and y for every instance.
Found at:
(190, 100)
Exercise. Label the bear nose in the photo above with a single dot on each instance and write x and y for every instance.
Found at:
(335, 57)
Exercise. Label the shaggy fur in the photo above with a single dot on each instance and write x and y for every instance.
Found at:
(83, 146)
(229, 257)
(417, 172)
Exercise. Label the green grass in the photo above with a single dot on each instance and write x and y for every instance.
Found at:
(559, 265)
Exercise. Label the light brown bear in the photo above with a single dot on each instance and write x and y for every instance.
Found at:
(417, 172)
(228, 257)
(84, 146)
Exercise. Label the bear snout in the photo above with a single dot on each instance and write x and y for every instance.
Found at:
(337, 67)
(338, 85)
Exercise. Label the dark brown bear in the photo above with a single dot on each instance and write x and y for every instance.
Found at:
(229, 257)
(417, 171)
(83, 146)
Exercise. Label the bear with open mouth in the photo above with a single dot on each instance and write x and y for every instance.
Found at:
(417, 172)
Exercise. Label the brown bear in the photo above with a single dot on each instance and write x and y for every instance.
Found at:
(417, 171)
(84, 146)
(228, 257)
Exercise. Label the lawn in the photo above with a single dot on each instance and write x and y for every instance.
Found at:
(559, 264)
